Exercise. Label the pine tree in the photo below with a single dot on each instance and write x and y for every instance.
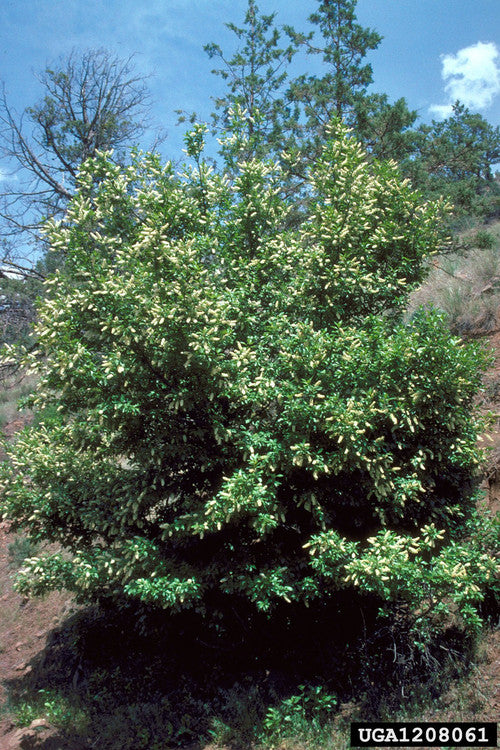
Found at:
(342, 93)
(385, 129)
(454, 157)
(344, 46)
(255, 77)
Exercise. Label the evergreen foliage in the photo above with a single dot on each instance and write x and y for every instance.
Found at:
(454, 157)
(242, 415)
(255, 77)
(385, 129)
(344, 46)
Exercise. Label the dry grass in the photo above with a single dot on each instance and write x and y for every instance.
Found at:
(466, 285)
(12, 389)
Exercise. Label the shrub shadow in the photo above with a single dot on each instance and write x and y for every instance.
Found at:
(119, 677)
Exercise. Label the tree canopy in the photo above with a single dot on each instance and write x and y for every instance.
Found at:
(455, 157)
(343, 48)
(285, 116)
(255, 77)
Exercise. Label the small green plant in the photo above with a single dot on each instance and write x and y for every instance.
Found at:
(53, 706)
(20, 549)
(301, 716)
(219, 731)
(484, 240)
(25, 713)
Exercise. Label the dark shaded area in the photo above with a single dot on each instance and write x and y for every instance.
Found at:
(17, 312)
(132, 679)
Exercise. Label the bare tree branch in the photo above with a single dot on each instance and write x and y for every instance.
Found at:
(93, 101)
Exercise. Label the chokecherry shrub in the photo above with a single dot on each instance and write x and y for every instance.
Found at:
(231, 405)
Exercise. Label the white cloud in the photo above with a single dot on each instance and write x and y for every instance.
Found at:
(472, 76)
(441, 111)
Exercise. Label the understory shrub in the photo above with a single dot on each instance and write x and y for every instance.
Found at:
(242, 416)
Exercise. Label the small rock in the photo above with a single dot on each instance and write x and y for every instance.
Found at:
(19, 646)
(39, 724)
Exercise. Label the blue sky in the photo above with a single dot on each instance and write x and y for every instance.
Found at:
(432, 51)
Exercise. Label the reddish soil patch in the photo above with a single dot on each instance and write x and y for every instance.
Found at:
(25, 626)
